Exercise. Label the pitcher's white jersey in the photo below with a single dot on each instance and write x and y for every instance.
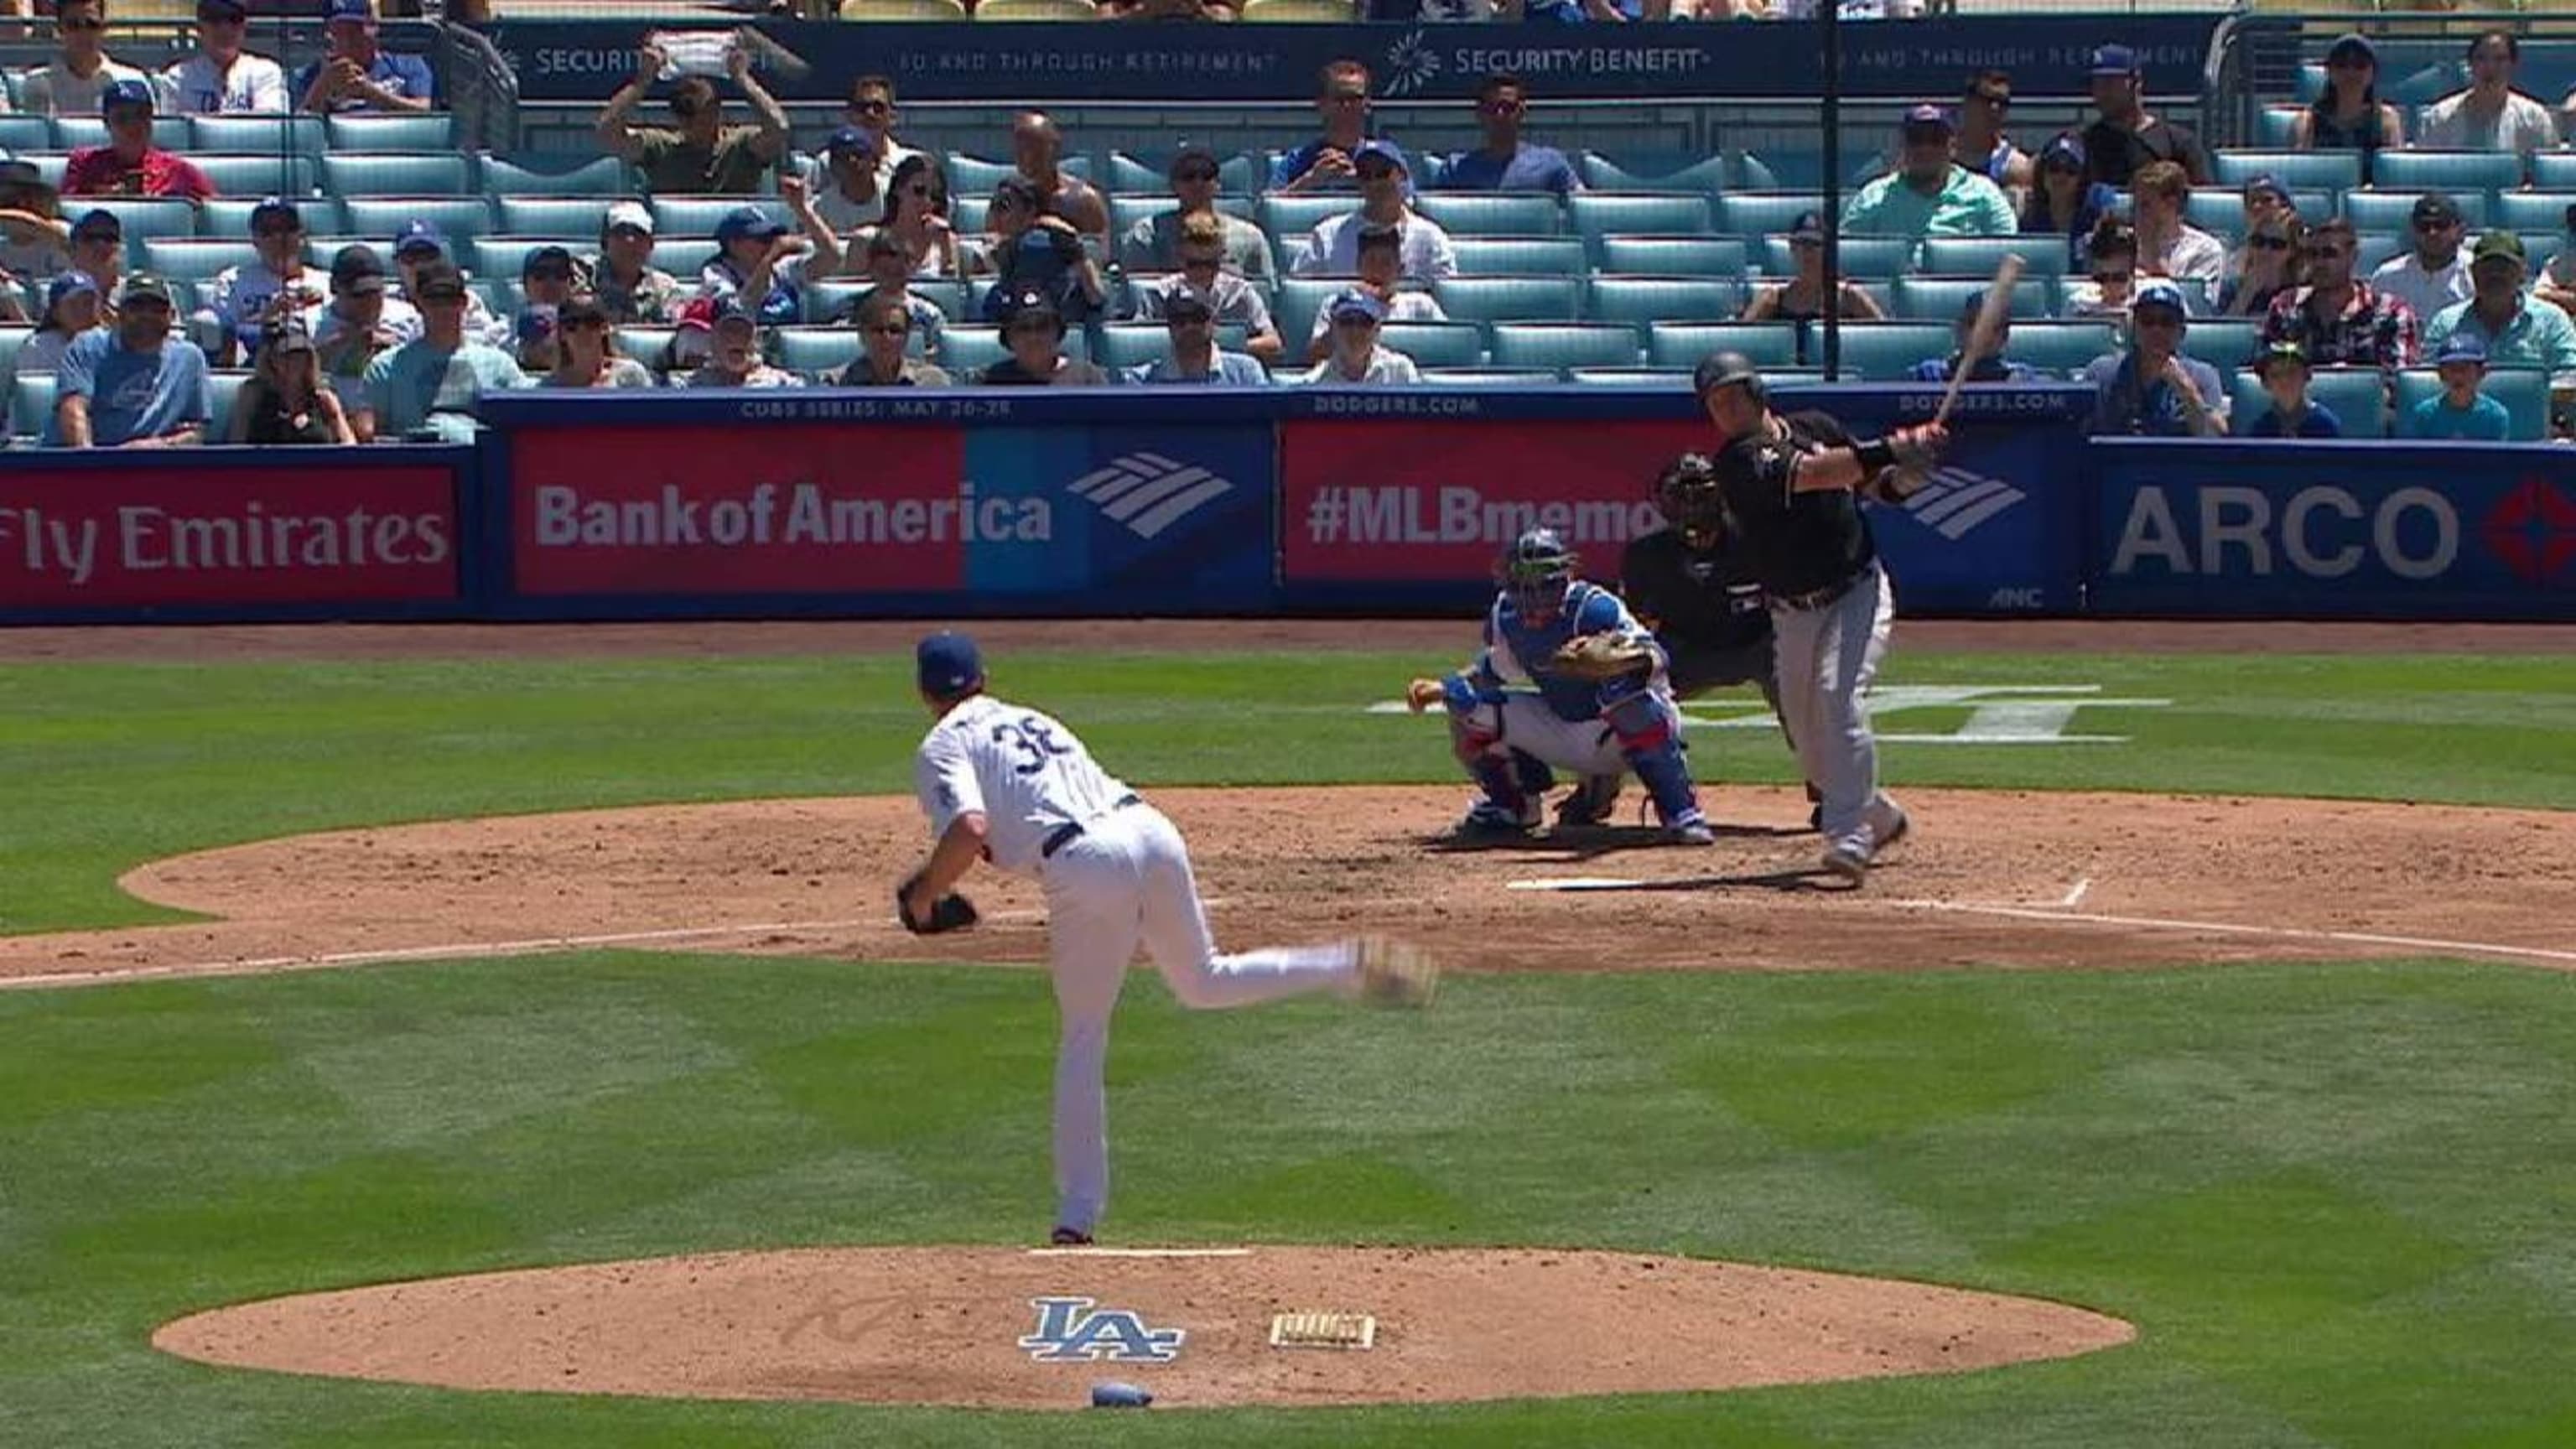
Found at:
(1026, 771)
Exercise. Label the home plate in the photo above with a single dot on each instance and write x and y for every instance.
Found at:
(1576, 883)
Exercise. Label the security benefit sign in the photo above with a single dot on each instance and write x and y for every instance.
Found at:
(324, 529)
(2336, 529)
(893, 510)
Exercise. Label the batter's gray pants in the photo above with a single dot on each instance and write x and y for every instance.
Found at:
(1826, 658)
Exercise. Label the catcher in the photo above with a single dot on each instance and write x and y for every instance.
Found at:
(1568, 679)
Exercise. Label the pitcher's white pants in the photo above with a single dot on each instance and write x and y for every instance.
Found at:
(1127, 878)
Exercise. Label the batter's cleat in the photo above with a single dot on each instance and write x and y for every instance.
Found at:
(1848, 861)
(1591, 801)
(1393, 973)
(1486, 820)
(1690, 832)
(1069, 1238)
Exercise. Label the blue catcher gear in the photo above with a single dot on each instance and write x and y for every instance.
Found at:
(1537, 570)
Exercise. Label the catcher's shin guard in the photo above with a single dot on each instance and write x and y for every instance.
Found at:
(1649, 729)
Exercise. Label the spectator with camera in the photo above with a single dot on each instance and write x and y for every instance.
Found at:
(359, 75)
(1036, 251)
(284, 400)
(702, 154)
(133, 385)
(240, 302)
(129, 164)
(758, 265)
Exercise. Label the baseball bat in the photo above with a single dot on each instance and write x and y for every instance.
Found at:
(1981, 333)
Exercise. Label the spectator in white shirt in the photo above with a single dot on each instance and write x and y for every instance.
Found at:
(2435, 272)
(1380, 263)
(77, 80)
(223, 79)
(1357, 360)
(2169, 246)
(1333, 249)
(240, 302)
(845, 189)
(2490, 115)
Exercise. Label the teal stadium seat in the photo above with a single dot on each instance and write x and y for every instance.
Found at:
(1683, 344)
(544, 173)
(1493, 213)
(2276, 125)
(2373, 247)
(812, 350)
(2524, 391)
(460, 217)
(501, 258)
(1124, 345)
(2452, 171)
(2534, 214)
(2298, 170)
(1600, 214)
(1978, 256)
(230, 216)
(966, 213)
(1872, 257)
(1673, 256)
(1289, 218)
(381, 173)
(2222, 342)
(1509, 299)
(2061, 349)
(26, 133)
(2553, 170)
(13, 336)
(1667, 378)
(144, 217)
(1942, 299)
(551, 215)
(1886, 351)
(834, 301)
(251, 174)
(301, 135)
(1561, 346)
(32, 404)
(1436, 344)
(644, 344)
(1652, 171)
(2395, 210)
(1519, 256)
(1128, 172)
(965, 351)
(70, 133)
(48, 164)
(2220, 210)
(698, 215)
(1295, 306)
(223, 386)
(428, 131)
(683, 256)
(1125, 211)
(947, 293)
(2355, 395)
(1638, 301)
(1486, 376)
(974, 174)
(1764, 213)
(196, 258)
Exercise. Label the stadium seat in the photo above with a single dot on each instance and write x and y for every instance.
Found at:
(1673, 256)
(877, 11)
(1764, 213)
(2524, 391)
(552, 174)
(2395, 210)
(966, 213)
(70, 133)
(698, 215)
(48, 164)
(2374, 247)
(2277, 125)
(196, 258)
(223, 385)
(1871, 257)
(1668, 378)
(2298, 170)
(2534, 214)
(1036, 10)
(644, 344)
(834, 300)
(1942, 299)
(13, 336)
(2453, 171)
(1598, 214)
(2061, 349)
(1299, 299)
(1126, 211)
(379, 217)
(948, 294)
(143, 216)
(1669, 171)
(1436, 344)
(385, 173)
(1235, 175)
(1301, 12)
(26, 133)
(2353, 394)
(1978, 256)
(2222, 342)
(230, 216)
(1564, 345)
(245, 173)
(501, 258)
(1638, 301)
(427, 131)
(1519, 256)
(1486, 376)
(964, 351)
(1509, 299)
(551, 215)
(2220, 210)
(974, 175)
(683, 256)
(810, 350)
(2553, 170)
(31, 406)
(1683, 344)
(1492, 213)
(1883, 351)
(1289, 218)
(301, 135)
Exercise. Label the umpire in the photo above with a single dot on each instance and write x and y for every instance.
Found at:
(1790, 487)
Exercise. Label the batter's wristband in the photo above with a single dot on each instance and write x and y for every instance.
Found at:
(1875, 454)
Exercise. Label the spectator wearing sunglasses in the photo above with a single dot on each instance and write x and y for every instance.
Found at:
(586, 351)
(2433, 272)
(1983, 146)
(357, 74)
(1333, 248)
(129, 164)
(2153, 390)
(622, 276)
(2065, 202)
(2111, 287)
(885, 332)
(1204, 281)
(2265, 267)
(1190, 322)
(890, 268)
(871, 108)
(1153, 244)
(2336, 320)
(1331, 160)
(133, 384)
(223, 78)
(1034, 332)
(1506, 162)
(703, 154)
(1356, 359)
(2129, 137)
(1930, 193)
(76, 82)
(917, 215)
(241, 302)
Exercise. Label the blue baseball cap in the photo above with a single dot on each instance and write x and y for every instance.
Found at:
(419, 233)
(2114, 60)
(2461, 347)
(1384, 150)
(362, 11)
(537, 324)
(126, 93)
(1929, 115)
(745, 221)
(100, 219)
(276, 206)
(2159, 293)
(946, 662)
(1353, 302)
(852, 141)
(72, 284)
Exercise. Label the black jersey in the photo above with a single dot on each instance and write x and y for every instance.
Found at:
(1792, 543)
(1698, 600)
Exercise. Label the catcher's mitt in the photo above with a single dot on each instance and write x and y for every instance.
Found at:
(951, 912)
(1605, 655)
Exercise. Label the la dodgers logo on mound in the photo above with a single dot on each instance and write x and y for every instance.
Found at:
(1069, 1331)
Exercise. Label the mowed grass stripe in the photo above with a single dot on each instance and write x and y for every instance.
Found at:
(2332, 1197)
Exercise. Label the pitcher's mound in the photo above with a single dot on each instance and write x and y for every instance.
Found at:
(947, 1326)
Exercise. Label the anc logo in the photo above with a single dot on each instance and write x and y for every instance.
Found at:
(1956, 502)
(2533, 530)
(1069, 1330)
(1149, 492)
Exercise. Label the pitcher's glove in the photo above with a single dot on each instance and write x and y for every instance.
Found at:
(951, 912)
(1606, 655)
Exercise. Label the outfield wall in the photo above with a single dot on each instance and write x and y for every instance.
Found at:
(1127, 502)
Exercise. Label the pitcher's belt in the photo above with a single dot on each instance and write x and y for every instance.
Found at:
(1064, 835)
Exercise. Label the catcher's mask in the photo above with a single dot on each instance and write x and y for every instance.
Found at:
(1686, 494)
(1538, 568)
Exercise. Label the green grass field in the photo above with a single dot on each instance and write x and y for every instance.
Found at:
(2335, 1199)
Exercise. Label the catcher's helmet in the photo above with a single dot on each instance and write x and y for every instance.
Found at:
(1686, 494)
(1728, 369)
(1537, 568)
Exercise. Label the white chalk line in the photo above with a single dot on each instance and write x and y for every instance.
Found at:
(1140, 1252)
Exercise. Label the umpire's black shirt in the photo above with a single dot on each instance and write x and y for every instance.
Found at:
(1792, 543)
(1698, 600)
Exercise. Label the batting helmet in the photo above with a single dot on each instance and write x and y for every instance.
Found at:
(1728, 369)
(1538, 568)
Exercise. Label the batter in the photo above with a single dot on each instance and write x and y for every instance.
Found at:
(1016, 787)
